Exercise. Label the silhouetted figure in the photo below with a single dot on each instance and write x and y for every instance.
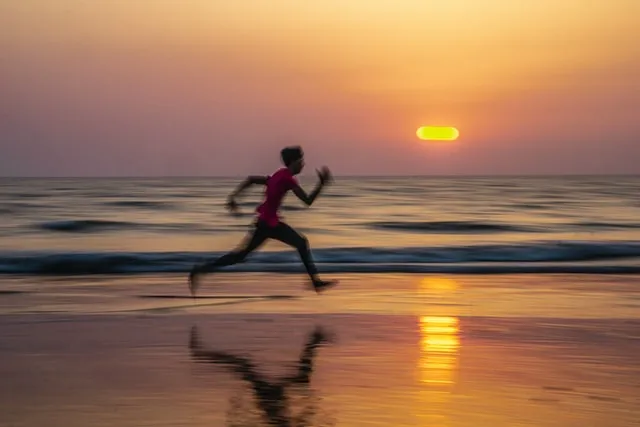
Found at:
(271, 396)
(268, 224)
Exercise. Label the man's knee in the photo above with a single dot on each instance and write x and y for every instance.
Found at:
(239, 255)
(302, 243)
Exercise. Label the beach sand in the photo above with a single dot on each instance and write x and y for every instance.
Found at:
(379, 350)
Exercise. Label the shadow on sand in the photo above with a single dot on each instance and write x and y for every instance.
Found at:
(277, 399)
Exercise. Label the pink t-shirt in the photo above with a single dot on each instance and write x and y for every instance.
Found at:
(277, 186)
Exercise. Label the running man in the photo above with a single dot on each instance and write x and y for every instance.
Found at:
(268, 224)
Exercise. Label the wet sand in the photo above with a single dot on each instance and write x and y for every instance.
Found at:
(420, 351)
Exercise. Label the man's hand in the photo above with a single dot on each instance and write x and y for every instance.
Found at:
(324, 175)
(231, 205)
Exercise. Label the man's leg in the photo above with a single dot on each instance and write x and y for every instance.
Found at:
(305, 364)
(287, 235)
(238, 364)
(259, 235)
(271, 397)
(284, 233)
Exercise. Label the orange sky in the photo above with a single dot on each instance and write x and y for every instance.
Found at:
(195, 87)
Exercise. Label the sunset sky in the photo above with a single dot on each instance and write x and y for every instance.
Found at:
(216, 87)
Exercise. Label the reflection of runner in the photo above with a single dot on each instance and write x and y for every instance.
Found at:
(271, 396)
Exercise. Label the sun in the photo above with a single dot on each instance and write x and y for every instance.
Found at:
(437, 133)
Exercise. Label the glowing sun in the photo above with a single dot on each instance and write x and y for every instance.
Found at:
(437, 133)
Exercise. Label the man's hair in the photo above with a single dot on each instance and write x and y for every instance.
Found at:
(291, 154)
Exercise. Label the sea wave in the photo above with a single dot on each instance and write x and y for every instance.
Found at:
(97, 225)
(607, 225)
(84, 225)
(541, 257)
(28, 195)
(477, 227)
(143, 204)
(450, 227)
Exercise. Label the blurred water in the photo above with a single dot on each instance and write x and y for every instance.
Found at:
(388, 222)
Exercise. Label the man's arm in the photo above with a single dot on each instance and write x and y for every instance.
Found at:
(324, 176)
(251, 180)
(307, 199)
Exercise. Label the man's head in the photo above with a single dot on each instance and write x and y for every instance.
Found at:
(293, 158)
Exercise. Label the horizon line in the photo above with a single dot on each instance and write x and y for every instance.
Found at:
(532, 175)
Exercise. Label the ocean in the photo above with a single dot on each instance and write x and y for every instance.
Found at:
(358, 225)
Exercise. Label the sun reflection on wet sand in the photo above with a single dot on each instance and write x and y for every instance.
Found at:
(439, 344)
(439, 350)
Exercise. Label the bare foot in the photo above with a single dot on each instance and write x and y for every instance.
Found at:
(323, 285)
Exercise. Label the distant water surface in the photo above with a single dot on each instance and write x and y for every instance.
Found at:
(510, 224)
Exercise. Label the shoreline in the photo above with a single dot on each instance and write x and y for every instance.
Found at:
(528, 295)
